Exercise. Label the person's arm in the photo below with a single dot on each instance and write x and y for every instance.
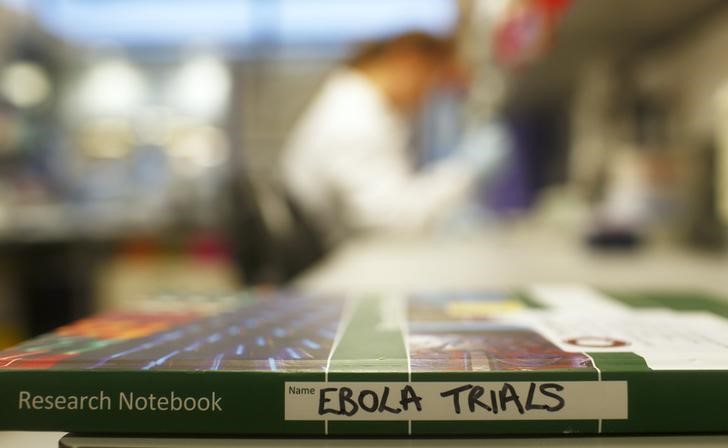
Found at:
(378, 189)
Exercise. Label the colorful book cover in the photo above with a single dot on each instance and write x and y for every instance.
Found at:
(551, 359)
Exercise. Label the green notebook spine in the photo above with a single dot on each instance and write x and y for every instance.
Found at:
(149, 402)
(254, 403)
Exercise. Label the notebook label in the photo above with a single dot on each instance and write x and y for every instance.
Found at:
(442, 401)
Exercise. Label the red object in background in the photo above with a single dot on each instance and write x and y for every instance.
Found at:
(140, 248)
(206, 247)
(210, 248)
(527, 31)
(554, 7)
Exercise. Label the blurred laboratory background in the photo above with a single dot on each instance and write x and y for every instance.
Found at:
(143, 148)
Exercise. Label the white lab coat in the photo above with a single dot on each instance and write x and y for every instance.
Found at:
(346, 163)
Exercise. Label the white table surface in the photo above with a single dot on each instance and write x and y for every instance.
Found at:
(50, 440)
(507, 258)
(572, 442)
(12, 439)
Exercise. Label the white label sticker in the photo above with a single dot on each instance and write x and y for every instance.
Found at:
(443, 401)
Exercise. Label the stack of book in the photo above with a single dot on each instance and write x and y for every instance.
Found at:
(551, 359)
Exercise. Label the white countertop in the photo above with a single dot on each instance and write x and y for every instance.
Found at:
(50, 440)
(508, 258)
(16, 439)
(496, 442)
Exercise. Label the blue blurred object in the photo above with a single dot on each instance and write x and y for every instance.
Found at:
(238, 22)
(486, 147)
(440, 127)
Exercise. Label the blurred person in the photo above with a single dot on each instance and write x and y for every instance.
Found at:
(346, 163)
